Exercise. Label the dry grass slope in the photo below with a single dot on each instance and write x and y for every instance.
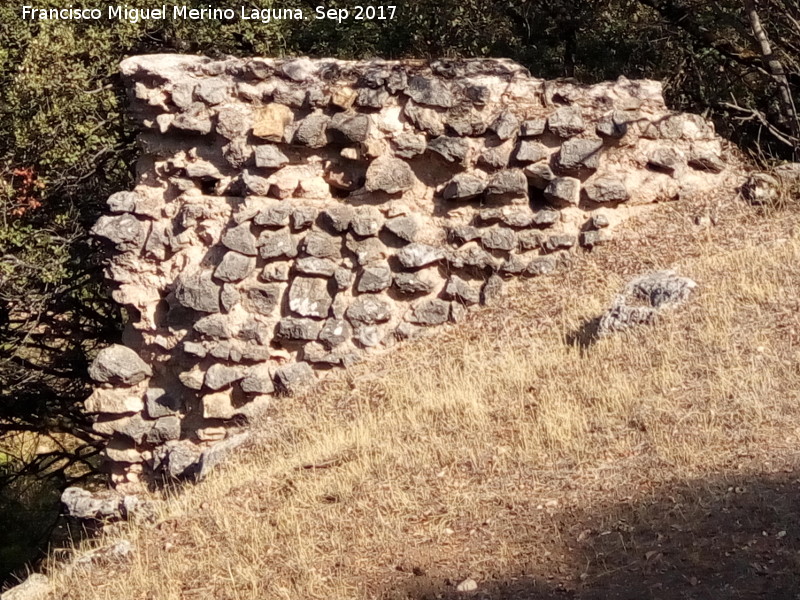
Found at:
(521, 453)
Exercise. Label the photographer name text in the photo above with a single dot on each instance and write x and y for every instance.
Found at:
(209, 13)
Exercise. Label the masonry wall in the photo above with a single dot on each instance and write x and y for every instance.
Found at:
(291, 217)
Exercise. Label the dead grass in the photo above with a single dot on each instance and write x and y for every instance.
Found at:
(500, 451)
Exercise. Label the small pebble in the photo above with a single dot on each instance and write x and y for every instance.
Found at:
(468, 585)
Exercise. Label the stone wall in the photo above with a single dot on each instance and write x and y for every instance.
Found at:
(290, 217)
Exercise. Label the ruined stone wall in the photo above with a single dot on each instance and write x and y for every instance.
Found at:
(292, 216)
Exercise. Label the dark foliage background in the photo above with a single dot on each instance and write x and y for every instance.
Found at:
(65, 146)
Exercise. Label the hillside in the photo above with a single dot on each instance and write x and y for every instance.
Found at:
(661, 462)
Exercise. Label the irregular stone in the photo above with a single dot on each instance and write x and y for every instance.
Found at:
(114, 402)
(310, 297)
(460, 290)
(195, 119)
(234, 121)
(546, 217)
(492, 290)
(513, 216)
(464, 233)
(35, 587)
(134, 427)
(530, 240)
(374, 278)
(215, 326)
(292, 379)
(452, 149)
(429, 312)
(164, 430)
(369, 309)
(405, 228)
(515, 265)
(665, 159)
(465, 120)
(229, 297)
(234, 267)
(420, 282)
(277, 245)
(425, 119)
(270, 121)
(531, 152)
(302, 217)
(343, 277)
(418, 255)
(367, 250)
(511, 182)
(430, 92)
(237, 153)
(760, 189)
(347, 128)
(606, 189)
(559, 242)
(119, 365)
(472, 255)
(590, 239)
(320, 267)
(599, 222)
(576, 154)
(338, 217)
(369, 98)
(126, 232)
(312, 131)
(566, 122)
(212, 91)
(466, 586)
(367, 221)
(219, 376)
(122, 202)
(706, 160)
(256, 184)
(81, 504)
(123, 451)
(409, 145)
(335, 333)
(564, 190)
(275, 272)
(644, 299)
(193, 378)
(218, 405)
(241, 239)
(299, 69)
(542, 265)
(369, 336)
(390, 175)
(270, 157)
(533, 127)
(499, 238)
(464, 186)
(264, 299)
(614, 126)
(160, 403)
(177, 461)
(294, 329)
(496, 156)
(259, 380)
(506, 126)
(322, 245)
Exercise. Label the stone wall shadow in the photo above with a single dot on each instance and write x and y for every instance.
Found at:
(729, 537)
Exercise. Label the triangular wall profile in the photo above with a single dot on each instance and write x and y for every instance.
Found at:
(292, 216)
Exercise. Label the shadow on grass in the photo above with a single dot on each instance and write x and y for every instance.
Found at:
(586, 335)
(703, 540)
